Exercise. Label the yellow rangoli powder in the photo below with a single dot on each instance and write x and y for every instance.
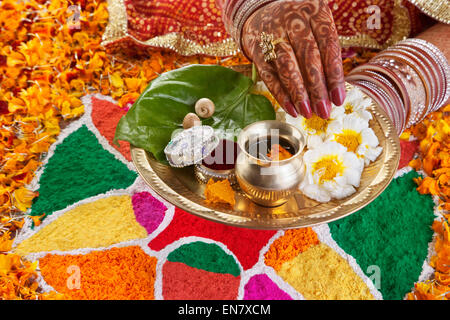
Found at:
(97, 224)
(319, 273)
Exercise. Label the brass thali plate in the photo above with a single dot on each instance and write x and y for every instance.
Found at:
(180, 187)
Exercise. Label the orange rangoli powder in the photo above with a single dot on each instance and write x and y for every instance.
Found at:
(115, 274)
(288, 246)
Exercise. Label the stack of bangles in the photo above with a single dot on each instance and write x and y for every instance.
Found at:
(409, 80)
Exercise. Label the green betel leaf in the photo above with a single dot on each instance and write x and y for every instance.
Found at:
(161, 108)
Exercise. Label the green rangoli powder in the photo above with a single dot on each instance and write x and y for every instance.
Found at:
(392, 233)
(80, 168)
(205, 256)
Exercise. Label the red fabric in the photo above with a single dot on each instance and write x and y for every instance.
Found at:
(197, 20)
(244, 243)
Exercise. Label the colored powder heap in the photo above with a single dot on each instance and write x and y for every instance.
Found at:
(80, 168)
(392, 233)
(92, 225)
(182, 282)
(219, 192)
(288, 246)
(320, 273)
(116, 274)
(105, 116)
(408, 149)
(206, 256)
(260, 287)
(149, 211)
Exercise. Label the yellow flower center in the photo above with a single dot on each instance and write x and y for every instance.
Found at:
(328, 168)
(317, 123)
(349, 139)
(348, 108)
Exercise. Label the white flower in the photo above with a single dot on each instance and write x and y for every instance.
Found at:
(354, 133)
(314, 128)
(331, 172)
(355, 103)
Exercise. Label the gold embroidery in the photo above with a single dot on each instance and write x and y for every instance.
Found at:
(117, 25)
(437, 9)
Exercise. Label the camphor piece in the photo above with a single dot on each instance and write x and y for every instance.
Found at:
(204, 108)
(191, 120)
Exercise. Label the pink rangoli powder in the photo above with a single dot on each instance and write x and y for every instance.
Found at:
(148, 210)
(260, 287)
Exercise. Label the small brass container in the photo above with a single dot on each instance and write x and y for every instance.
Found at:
(266, 182)
(203, 174)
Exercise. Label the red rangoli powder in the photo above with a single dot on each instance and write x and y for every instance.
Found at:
(105, 116)
(182, 282)
(408, 149)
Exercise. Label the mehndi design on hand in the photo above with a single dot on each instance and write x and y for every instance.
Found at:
(307, 72)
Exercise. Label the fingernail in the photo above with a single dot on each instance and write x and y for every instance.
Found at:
(323, 108)
(338, 95)
(305, 109)
(289, 107)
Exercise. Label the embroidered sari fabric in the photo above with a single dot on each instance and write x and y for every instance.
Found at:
(188, 27)
(192, 27)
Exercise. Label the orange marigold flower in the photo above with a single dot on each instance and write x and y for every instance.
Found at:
(23, 198)
(6, 242)
(416, 164)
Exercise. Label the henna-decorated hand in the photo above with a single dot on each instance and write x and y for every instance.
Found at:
(307, 72)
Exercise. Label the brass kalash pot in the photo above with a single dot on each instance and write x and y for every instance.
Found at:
(266, 182)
